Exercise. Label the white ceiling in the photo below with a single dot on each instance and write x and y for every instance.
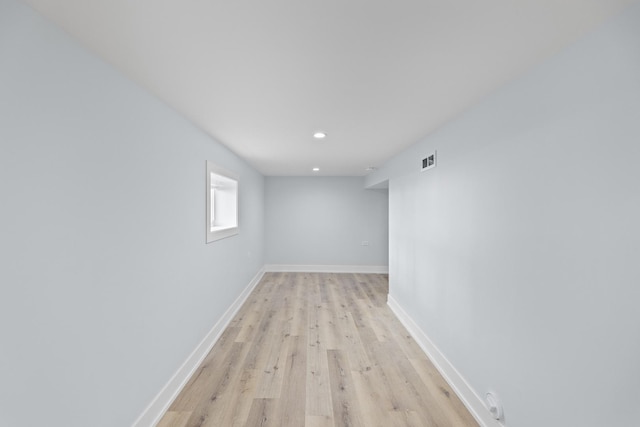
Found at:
(376, 75)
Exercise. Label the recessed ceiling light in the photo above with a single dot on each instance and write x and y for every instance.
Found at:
(319, 135)
(316, 169)
(371, 168)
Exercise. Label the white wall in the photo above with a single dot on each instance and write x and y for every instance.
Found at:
(106, 283)
(323, 221)
(518, 255)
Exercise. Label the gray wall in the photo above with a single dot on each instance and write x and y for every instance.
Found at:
(106, 284)
(323, 220)
(518, 255)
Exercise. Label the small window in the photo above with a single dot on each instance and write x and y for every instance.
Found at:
(222, 203)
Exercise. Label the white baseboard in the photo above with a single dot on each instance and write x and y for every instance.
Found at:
(159, 405)
(469, 397)
(281, 268)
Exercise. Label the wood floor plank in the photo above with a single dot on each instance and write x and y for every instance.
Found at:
(358, 358)
(317, 350)
(249, 321)
(291, 405)
(319, 421)
(324, 282)
(256, 358)
(329, 332)
(408, 419)
(301, 308)
(175, 419)
(318, 397)
(262, 414)
(346, 408)
(373, 398)
(218, 395)
(318, 392)
(271, 376)
(443, 395)
(236, 411)
(208, 372)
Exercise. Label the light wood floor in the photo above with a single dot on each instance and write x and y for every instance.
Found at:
(317, 350)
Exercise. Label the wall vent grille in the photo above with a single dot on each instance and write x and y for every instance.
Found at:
(429, 162)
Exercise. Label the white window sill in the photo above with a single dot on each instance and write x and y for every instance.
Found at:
(218, 233)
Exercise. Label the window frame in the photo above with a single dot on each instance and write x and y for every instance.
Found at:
(231, 226)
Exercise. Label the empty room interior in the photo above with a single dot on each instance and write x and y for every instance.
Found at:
(321, 214)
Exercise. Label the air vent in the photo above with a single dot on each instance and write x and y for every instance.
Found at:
(429, 161)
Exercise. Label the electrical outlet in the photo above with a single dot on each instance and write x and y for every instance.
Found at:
(365, 243)
(494, 405)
